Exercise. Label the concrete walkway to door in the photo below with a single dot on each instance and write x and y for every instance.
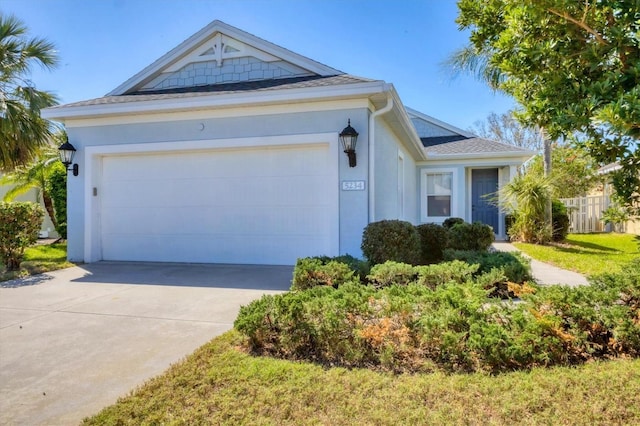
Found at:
(73, 341)
(544, 273)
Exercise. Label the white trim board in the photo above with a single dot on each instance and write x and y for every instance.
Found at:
(232, 112)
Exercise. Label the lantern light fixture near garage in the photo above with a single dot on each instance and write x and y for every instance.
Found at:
(67, 152)
(349, 138)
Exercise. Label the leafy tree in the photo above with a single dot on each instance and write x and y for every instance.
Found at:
(507, 129)
(22, 130)
(573, 171)
(573, 66)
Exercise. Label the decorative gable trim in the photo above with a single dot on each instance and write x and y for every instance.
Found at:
(219, 48)
(202, 47)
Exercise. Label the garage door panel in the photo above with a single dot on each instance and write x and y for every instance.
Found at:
(267, 205)
(218, 191)
(261, 222)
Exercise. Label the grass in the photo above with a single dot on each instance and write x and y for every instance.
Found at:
(587, 253)
(39, 259)
(219, 384)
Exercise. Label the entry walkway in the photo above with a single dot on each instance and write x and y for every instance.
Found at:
(543, 272)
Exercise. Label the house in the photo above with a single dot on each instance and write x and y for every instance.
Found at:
(227, 150)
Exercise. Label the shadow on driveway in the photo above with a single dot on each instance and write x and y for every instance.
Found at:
(251, 277)
(27, 281)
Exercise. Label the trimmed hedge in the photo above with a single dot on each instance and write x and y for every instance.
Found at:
(452, 221)
(453, 327)
(400, 241)
(434, 239)
(476, 236)
(394, 240)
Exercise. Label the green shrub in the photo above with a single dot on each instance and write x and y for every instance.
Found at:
(476, 236)
(57, 187)
(515, 267)
(451, 326)
(390, 273)
(560, 219)
(434, 239)
(452, 221)
(311, 272)
(625, 286)
(443, 273)
(19, 227)
(394, 240)
(358, 266)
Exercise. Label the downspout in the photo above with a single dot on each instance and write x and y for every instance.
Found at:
(372, 143)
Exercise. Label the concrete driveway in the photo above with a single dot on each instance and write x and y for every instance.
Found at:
(73, 341)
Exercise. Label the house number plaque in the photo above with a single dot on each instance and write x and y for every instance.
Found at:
(353, 185)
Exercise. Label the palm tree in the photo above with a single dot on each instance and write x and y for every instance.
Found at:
(470, 60)
(35, 176)
(22, 130)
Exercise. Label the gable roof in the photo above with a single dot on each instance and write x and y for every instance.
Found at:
(221, 89)
(415, 114)
(457, 146)
(209, 44)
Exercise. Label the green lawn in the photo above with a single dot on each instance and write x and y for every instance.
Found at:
(587, 253)
(39, 259)
(219, 384)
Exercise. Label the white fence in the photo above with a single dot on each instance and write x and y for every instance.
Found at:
(585, 213)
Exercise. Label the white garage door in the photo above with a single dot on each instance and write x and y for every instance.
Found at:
(255, 206)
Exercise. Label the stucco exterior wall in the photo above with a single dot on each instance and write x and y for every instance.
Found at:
(391, 202)
(353, 204)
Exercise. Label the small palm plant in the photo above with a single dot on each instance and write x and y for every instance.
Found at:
(36, 176)
(617, 216)
(526, 197)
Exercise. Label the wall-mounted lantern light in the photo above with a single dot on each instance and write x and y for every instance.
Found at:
(349, 138)
(67, 152)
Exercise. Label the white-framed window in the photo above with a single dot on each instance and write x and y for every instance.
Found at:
(437, 195)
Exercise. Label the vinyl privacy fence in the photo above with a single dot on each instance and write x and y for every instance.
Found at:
(585, 213)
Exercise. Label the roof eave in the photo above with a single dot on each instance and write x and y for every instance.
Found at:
(407, 125)
(344, 91)
(524, 156)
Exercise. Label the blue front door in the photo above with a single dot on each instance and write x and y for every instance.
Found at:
(484, 184)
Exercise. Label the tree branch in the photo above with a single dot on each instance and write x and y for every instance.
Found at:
(581, 24)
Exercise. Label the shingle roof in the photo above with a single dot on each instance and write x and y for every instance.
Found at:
(444, 145)
(223, 89)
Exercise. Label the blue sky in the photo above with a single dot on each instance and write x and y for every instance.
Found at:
(102, 43)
